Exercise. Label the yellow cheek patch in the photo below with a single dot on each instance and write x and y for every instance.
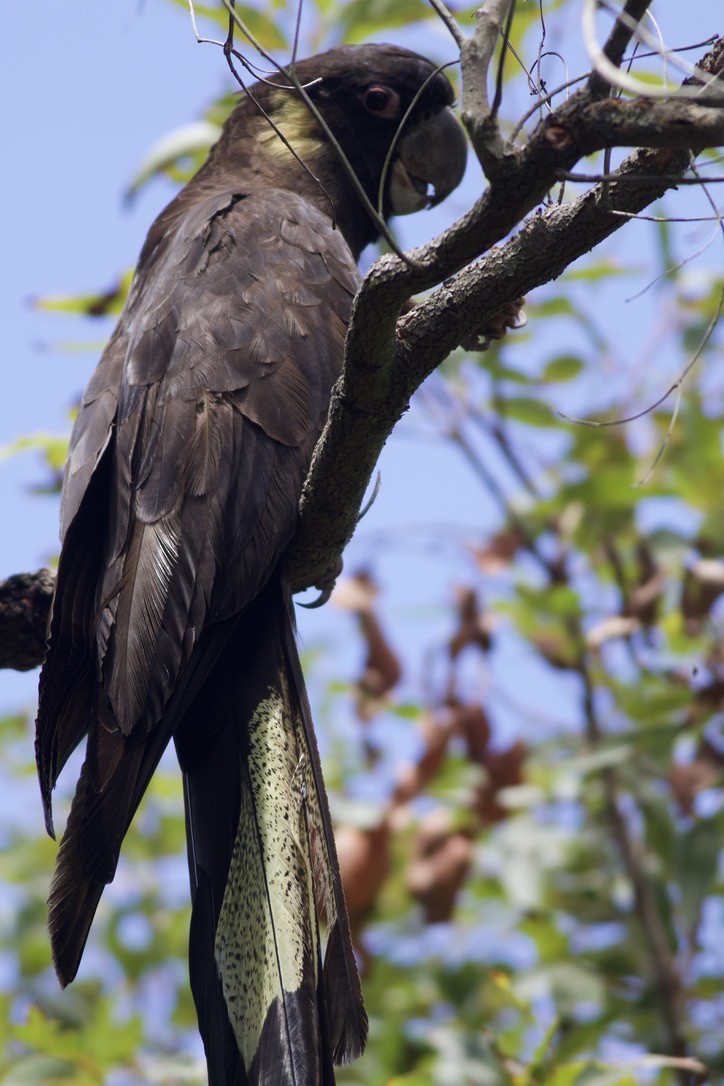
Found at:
(297, 125)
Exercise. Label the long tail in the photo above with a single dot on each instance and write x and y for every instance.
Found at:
(274, 1007)
(115, 775)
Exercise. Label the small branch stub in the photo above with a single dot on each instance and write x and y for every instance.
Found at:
(476, 56)
(24, 607)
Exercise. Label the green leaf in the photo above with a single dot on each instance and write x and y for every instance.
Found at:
(35, 1070)
(529, 411)
(661, 835)
(567, 983)
(415, 1078)
(108, 303)
(594, 272)
(189, 141)
(559, 306)
(562, 368)
(362, 19)
(53, 448)
(696, 867)
(493, 364)
(600, 1075)
(264, 29)
(544, 1052)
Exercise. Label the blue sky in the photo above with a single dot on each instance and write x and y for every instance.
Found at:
(83, 105)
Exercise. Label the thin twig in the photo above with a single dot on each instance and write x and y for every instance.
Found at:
(501, 439)
(449, 20)
(542, 101)
(662, 962)
(550, 95)
(497, 100)
(706, 87)
(477, 463)
(671, 179)
(664, 218)
(617, 43)
(329, 135)
(199, 39)
(400, 132)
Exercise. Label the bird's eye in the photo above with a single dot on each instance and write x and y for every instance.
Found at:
(381, 101)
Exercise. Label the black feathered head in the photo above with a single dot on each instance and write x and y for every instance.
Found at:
(368, 99)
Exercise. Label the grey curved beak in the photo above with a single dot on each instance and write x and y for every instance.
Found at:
(433, 153)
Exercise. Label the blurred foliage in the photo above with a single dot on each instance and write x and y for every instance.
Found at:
(540, 906)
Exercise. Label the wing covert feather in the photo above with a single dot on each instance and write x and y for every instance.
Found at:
(212, 394)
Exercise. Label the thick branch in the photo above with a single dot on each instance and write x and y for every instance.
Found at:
(386, 358)
(544, 248)
(677, 123)
(24, 606)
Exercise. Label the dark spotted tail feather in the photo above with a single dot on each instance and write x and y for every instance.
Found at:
(274, 1009)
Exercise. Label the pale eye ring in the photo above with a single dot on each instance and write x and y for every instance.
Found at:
(381, 101)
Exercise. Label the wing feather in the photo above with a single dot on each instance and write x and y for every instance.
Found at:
(143, 593)
(200, 423)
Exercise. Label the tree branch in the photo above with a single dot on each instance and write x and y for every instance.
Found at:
(615, 47)
(662, 962)
(449, 20)
(387, 356)
(476, 55)
(24, 606)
